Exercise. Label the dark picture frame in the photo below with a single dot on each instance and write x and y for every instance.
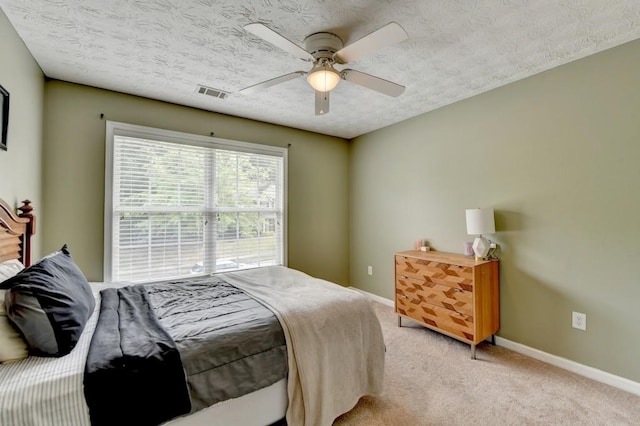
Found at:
(4, 117)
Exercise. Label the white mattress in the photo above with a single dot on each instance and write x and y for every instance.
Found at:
(41, 391)
(260, 408)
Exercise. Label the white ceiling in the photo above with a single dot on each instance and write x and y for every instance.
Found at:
(162, 49)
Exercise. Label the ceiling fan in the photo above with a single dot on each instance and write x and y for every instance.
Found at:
(325, 50)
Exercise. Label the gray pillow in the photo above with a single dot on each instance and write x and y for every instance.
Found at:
(50, 303)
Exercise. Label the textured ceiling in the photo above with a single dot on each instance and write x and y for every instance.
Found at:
(162, 49)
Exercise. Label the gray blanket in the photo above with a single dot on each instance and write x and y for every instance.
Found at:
(230, 344)
(166, 349)
(133, 373)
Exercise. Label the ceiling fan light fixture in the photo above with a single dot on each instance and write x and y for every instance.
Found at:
(323, 77)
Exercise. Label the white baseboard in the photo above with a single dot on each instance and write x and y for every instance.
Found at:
(566, 364)
(375, 297)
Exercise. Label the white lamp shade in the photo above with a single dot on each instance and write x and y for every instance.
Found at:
(480, 221)
(323, 78)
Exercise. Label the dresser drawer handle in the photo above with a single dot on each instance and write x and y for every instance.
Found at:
(403, 296)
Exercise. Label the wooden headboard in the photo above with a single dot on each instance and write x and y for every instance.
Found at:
(16, 232)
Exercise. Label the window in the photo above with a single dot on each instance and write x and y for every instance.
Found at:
(178, 204)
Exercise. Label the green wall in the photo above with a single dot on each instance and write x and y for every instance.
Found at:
(20, 165)
(557, 156)
(74, 149)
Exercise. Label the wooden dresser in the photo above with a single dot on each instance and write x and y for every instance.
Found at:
(450, 293)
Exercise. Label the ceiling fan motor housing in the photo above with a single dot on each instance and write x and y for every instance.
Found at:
(322, 45)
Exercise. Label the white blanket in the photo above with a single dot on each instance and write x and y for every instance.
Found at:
(334, 341)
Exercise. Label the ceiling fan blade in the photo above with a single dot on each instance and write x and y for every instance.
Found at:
(322, 103)
(277, 40)
(374, 83)
(272, 82)
(379, 39)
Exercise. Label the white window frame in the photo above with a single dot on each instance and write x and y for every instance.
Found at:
(114, 128)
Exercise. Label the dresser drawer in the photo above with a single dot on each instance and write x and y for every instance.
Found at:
(455, 323)
(452, 298)
(435, 272)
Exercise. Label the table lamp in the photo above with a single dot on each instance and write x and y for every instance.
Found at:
(479, 222)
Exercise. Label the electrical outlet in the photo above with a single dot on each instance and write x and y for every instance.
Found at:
(370, 270)
(579, 321)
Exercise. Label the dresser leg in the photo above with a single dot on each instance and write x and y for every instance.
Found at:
(399, 321)
(493, 339)
(473, 351)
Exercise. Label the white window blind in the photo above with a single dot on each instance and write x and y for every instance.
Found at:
(179, 205)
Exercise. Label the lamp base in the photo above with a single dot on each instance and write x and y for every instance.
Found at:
(480, 247)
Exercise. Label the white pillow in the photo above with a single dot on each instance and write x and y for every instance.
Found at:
(12, 345)
(10, 268)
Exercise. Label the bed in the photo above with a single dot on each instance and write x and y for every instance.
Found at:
(286, 346)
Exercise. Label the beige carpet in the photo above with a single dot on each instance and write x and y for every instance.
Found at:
(431, 380)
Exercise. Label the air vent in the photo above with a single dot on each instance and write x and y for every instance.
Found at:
(212, 92)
